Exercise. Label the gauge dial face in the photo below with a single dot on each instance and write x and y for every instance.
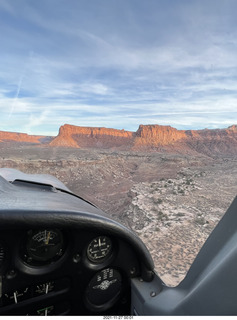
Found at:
(44, 245)
(99, 249)
(104, 289)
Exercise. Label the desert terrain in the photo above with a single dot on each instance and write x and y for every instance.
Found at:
(172, 201)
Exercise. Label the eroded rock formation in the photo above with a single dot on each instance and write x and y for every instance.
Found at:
(20, 137)
(88, 137)
(154, 138)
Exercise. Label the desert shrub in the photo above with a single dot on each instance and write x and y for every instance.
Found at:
(188, 182)
(162, 216)
(201, 221)
(157, 201)
(180, 214)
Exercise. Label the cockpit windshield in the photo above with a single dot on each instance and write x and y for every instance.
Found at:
(131, 104)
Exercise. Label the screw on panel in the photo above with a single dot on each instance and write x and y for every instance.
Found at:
(11, 274)
(153, 294)
(76, 258)
(132, 271)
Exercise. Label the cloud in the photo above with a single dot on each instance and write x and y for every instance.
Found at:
(124, 65)
(36, 120)
(94, 88)
(6, 6)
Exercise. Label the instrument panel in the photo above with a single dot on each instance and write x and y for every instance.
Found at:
(60, 254)
(52, 271)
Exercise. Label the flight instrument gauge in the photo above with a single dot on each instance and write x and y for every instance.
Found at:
(104, 289)
(99, 249)
(44, 246)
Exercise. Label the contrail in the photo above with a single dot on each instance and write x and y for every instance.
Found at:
(16, 97)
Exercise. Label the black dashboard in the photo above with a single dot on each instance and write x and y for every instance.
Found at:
(52, 271)
(60, 255)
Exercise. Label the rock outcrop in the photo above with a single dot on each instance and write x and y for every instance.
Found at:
(151, 138)
(158, 135)
(154, 138)
(213, 142)
(89, 137)
(6, 136)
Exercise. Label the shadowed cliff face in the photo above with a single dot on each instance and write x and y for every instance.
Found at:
(148, 138)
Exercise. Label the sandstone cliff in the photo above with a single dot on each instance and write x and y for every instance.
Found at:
(151, 138)
(213, 142)
(154, 138)
(88, 137)
(20, 137)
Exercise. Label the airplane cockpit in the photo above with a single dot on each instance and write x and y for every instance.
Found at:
(61, 255)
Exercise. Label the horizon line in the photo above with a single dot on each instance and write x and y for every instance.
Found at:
(93, 127)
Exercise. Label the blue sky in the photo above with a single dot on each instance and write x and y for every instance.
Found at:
(117, 64)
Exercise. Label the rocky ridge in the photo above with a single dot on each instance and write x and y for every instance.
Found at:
(154, 138)
(148, 138)
(21, 137)
(87, 137)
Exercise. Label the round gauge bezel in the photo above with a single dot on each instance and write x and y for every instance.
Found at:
(111, 301)
(40, 247)
(101, 259)
(101, 263)
(29, 264)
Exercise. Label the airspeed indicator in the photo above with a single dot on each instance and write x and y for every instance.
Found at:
(99, 249)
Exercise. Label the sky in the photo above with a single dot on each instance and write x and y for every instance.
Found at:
(117, 64)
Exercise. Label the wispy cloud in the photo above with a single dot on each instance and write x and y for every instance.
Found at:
(125, 65)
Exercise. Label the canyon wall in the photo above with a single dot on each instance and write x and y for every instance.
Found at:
(151, 138)
(89, 137)
(147, 138)
(20, 137)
